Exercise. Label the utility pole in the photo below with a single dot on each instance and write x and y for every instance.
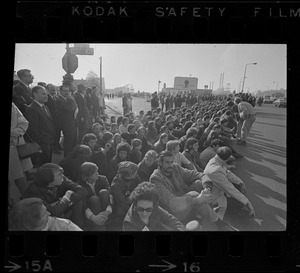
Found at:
(100, 75)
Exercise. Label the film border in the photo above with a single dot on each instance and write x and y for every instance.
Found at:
(167, 22)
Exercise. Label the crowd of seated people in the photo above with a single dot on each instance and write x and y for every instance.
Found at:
(154, 171)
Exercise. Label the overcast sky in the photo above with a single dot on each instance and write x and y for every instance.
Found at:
(143, 65)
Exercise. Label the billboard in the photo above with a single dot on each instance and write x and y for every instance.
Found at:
(186, 83)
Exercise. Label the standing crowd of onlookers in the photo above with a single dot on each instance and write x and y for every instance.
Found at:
(159, 170)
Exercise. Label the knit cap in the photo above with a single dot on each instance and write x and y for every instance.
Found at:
(136, 142)
(127, 168)
(107, 136)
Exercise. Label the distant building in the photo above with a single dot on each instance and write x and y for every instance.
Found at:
(184, 85)
(90, 82)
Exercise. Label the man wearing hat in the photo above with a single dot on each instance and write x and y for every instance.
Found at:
(247, 117)
(122, 185)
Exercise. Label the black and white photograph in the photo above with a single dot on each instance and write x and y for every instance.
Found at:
(148, 137)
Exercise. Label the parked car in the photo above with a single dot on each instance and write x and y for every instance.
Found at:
(281, 102)
(268, 99)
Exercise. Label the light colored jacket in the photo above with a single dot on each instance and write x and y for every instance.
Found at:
(18, 125)
(223, 180)
(245, 110)
(172, 191)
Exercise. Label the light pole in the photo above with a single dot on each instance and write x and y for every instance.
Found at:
(245, 75)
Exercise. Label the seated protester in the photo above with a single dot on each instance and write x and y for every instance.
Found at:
(191, 153)
(151, 132)
(232, 123)
(146, 145)
(62, 197)
(211, 151)
(99, 200)
(114, 128)
(71, 164)
(30, 214)
(227, 184)
(191, 132)
(113, 147)
(181, 194)
(123, 128)
(130, 135)
(98, 156)
(158, 123)
(160, 145)
(137, 124)
(119, 122)
(107, 139)
(136, 154)
(225, 130)
(97, 130)
(146, 215)
(122, 185)
(204, 136)
(165, 129)
(176, 133)
(173, 147)
(215, 134)
(147, 165)
(122, 154)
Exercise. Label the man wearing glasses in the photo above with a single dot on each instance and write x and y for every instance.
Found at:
(22, 96)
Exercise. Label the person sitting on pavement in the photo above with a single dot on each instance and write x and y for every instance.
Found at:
(122, 154)
(61, 196)
(146, 215)
(247, 116)
(98, 202)
(72, 162)
(160, 145)
(147, 165)
(211, 151)
(191, 152)
(151, 132)
(136, 154)
(225, 183)
(173, 147)
(181, 194)
(146, 145)
(30, 214)
(122, 185)
(130, 135)
(191, 132)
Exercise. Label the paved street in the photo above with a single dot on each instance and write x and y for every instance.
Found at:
(263, 168)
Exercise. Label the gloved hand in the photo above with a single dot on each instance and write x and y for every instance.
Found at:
(98, 219)
(68, 194)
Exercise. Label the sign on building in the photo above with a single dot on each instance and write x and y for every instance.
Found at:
(185, 83)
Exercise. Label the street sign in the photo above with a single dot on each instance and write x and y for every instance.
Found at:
(81, 45)
(70, 65)
(82, 50)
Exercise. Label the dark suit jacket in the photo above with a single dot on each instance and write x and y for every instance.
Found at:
(65, 113)
(22, 96)
(83, 111)
(41, 127)
(51, 103)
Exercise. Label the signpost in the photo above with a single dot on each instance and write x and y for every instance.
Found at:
(70, 60)
(70, 63)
